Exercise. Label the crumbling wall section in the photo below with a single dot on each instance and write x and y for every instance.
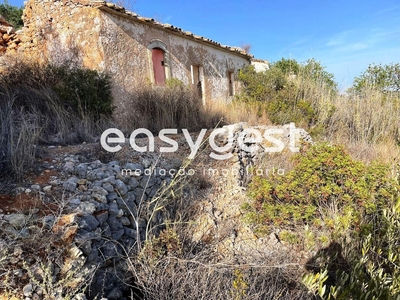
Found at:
(8, 36)
(216, 65)
(60, 32)
(101, 36)
(249, 146)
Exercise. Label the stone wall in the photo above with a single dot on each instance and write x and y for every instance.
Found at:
(109, 207)
(248, 152)
(105, 218)
(106, 205)
(128, 59)
(102, 36)
(8, 37)
(62, 31)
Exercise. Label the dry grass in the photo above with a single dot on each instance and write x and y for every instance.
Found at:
(171, 265)
(237, 111)
(175, 264)
(175, 106)
(178, 106)
(31, 113)
(367, 124)
(371, 117)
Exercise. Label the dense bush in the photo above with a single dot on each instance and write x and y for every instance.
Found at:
(326, 175)
(272, 92)
(288, 91)
(82, 90)
(48, 104)
(12, 14)
(355, 207)
(382, 77)
(373, 262)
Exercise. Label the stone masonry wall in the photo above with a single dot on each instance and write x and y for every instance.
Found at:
(106, 204)
(109, 205)
(8, 39)
(105, 218)
(61, 31)
(102, 36)
(248, 152)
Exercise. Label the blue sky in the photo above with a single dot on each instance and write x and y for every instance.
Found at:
(345, 36)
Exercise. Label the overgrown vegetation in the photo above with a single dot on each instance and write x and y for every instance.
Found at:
(35, 256)
(346, 201)
(173, 106)
(289, 91)
(329, 199)
(162, 263)
(48, 104)
(385, 78)
(346, 210)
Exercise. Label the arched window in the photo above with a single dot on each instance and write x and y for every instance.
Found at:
(160, 62)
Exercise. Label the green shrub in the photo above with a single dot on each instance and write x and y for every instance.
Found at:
(289, 91)
(325, 175)
(12, 14)
(382, 77)
(357, 204)
(324, 178)
(373, 261)
(274, 94)
(288, 66)
(86, 91)
(48, 104)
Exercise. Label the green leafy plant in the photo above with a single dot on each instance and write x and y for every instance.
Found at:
(239, 286)
(382, 77)
(325, 175)
(356, 204)
(374, 263)
(289, 91)
(87, 91)
(48, 104)
(12, 14)
(325, 189)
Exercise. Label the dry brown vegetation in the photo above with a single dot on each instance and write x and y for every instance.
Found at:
(171, 264)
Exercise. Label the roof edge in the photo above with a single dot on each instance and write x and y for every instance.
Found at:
(119, 10)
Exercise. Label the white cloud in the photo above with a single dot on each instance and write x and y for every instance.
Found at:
(339, 38)
(353, 47)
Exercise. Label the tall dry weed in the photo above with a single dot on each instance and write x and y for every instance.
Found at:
(371, 116)
(31, 113)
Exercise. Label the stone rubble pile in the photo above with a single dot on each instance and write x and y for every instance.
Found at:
(8, 36)
(248, 152)
(105, 204)
(108, 199)
(105, 201)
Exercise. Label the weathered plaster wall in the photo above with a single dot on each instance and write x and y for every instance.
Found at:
(97, 35)
(128, 58)
(125, 56)
(260, 65)
(216, 64)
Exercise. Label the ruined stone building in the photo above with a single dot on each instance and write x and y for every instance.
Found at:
(134, 50)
